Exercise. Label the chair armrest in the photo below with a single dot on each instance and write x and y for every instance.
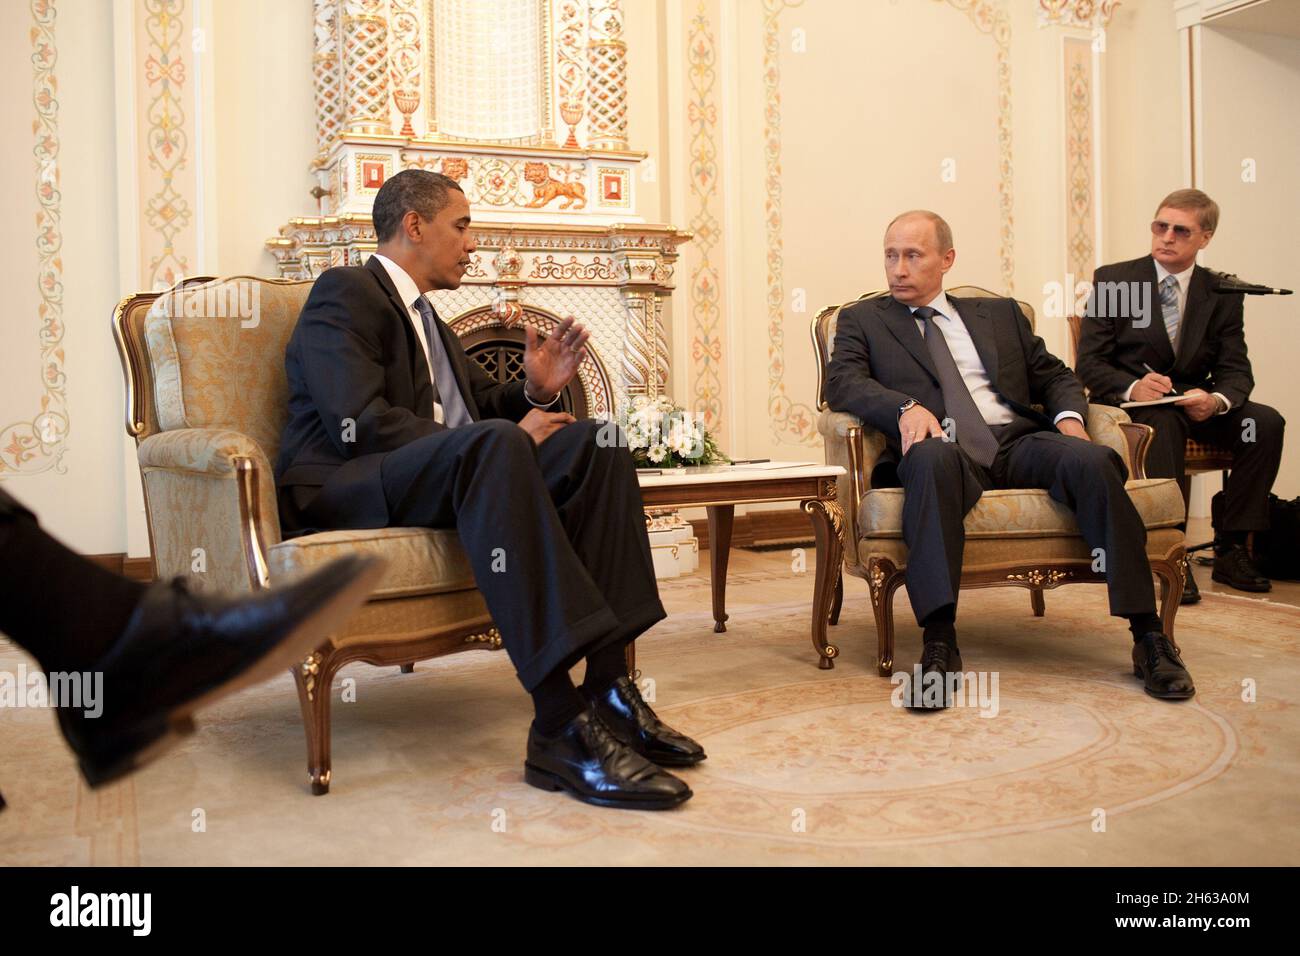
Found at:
(202, 451)
(855, 447)
(1111, 426)
(211, 504)
(1138, 437)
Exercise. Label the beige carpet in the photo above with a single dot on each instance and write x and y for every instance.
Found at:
(806, 766)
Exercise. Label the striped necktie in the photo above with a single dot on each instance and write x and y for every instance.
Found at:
(1169, 306)
(430, 330)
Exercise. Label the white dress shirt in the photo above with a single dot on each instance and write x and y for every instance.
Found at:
(1184, 280)
(948, 321)
(409, 293)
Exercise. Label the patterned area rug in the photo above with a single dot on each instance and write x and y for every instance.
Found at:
(1069, 762)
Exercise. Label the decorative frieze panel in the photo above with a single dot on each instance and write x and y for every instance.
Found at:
(571, 66)
(406, 60)
(327, 75)
(532, 183)
(606, 77)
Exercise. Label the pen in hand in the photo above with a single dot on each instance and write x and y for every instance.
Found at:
(1172, 390)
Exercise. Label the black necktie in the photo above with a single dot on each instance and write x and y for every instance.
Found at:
(972, 432)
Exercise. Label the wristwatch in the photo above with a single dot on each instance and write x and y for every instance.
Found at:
(905, 406)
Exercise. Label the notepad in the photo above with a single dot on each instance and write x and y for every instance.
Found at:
(1167, 400)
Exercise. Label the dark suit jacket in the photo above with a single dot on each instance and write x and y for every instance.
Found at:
(880, 360)
(354, 355)
(1115, 340)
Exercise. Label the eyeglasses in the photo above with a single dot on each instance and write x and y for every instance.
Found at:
(1160, 227)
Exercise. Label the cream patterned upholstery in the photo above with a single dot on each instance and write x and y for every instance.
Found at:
(420, 560)
(1021, 512)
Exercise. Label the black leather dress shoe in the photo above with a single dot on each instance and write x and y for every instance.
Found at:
(630, 719)
(1156, 661)
(1233, 567)
(1191, 593)
(930, 687)
(181, 651)
(588, 761)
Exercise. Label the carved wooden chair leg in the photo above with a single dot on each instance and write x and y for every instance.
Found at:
(1036, 601)
(1170, 572)
(884, 578)
(837, 601)
(408, 668)
(313, 677)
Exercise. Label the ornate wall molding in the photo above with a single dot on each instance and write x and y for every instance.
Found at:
(167, 213)
(705, 291)
(1080, 219)
(791, 422)
(1077, 13)
(991, 17)
(38, 445)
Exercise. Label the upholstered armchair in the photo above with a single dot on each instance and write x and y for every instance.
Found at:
(206, 400)
(1014, 537)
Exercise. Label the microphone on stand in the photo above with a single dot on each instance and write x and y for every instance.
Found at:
(1224, 282)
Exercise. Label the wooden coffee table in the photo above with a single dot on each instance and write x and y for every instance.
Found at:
(719, 488)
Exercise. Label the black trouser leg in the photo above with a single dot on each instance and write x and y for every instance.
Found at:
(486, 481)
(61, 608)
(1089, 480)
(940, 485)
(598, 499)
(1253, 433)
(1167, 453)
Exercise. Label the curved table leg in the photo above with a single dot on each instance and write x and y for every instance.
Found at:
(720, 518)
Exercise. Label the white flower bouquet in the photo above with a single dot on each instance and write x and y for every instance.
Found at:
(662, 434)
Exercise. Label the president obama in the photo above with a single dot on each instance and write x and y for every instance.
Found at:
(391, 424)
